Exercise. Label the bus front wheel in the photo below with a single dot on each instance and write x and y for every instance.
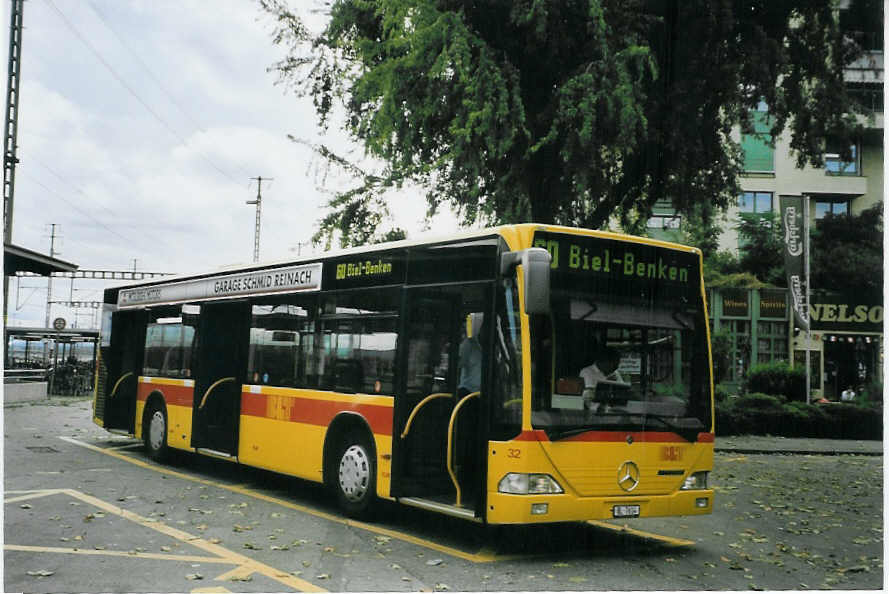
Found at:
(155, 433)
(355, 476)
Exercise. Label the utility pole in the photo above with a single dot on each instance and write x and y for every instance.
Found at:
(12, 115)
(52, 254)
(10, 129)
(258, 203)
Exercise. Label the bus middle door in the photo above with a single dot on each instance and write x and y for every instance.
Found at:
(221, 362)
(427, 397)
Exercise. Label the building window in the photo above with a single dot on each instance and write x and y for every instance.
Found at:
(834, 164)
(759, 149)
(739, 330)
(755, 202)
(771, 341)
(823, 209)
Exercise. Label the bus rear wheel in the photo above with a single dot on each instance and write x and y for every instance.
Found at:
(355, 476)
(155, 433)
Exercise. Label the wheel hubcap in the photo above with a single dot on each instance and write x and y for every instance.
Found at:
(156, 430)
(354, 473)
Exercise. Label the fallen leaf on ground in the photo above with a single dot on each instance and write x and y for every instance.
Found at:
(41, 573)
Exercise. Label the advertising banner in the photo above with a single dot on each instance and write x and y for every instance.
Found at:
(794, 229)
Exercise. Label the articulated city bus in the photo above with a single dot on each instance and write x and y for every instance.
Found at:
(463, 375)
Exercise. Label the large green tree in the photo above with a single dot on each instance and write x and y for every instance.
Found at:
(567, 111)
(847, 253)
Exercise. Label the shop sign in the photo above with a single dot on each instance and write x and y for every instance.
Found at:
(735, 303)
(838, 313)
(772, 303)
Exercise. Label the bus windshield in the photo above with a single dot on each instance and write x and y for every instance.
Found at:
(621, 352)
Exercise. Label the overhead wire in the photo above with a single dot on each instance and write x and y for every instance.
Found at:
(170, 95)
(132, 91)
(75, 207)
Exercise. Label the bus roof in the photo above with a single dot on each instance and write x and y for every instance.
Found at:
(512, 234)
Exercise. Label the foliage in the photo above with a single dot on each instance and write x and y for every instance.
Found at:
(847, 251)
(566, 111)
(721, 393)
(719, 265)
(763, 414)
(777, 378)
(872, 394)
(721, 349)
(762, 254)
(738, 280)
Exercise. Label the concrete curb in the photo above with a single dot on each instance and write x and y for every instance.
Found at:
(768, 452)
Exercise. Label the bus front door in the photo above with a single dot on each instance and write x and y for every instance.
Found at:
(221, 361)
(436, 432)
(123, 364)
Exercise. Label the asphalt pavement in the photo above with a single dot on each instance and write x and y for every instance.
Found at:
(767, 444)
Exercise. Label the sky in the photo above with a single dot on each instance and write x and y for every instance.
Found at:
(141, 125)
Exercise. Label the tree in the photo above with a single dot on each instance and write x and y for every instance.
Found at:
(761, 253)
(847, 252)
(567, 111)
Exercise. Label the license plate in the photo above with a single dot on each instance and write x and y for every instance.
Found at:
(625, 511)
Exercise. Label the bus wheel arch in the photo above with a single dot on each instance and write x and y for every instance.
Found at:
(155, 425)
(350, 464)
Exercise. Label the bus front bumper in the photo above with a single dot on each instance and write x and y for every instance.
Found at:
(533, 509)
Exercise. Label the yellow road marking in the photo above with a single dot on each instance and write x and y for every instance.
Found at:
(131, 554)
(736, 459)
(480, 557)
(211, 590)
(32, 495)
(669, 540)
(238, 573)
(222, 554)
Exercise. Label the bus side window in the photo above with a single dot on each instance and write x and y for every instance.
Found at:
(277, 329)
(359, 334)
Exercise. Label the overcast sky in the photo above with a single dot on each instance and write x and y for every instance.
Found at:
(141, 124)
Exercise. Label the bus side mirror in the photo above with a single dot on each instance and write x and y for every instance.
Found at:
(536, 265)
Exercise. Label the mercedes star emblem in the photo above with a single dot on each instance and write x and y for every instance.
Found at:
(628, 476)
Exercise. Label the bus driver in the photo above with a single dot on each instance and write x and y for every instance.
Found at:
(602, 371)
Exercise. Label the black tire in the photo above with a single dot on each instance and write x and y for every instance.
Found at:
(354, 476)
(154, 433)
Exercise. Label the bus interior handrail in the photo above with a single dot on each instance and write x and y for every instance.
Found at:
(449, 459)
(210, 389)
(117, 384)
(410, 419)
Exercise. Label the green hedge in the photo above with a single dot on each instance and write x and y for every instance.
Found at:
(778, 378)
(764, 414)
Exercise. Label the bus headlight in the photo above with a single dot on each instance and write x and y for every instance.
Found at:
(520, 483)
(697, 480)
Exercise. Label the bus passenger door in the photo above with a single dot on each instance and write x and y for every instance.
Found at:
(220, 365)
(123, 362)
(427, 398)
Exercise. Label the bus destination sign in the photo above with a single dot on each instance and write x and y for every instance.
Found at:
(291, 279)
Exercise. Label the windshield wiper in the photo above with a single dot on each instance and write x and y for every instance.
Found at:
(557, 434)
(562, 434)
(688, 433)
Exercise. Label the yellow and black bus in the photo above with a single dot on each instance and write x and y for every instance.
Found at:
(452, 375)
